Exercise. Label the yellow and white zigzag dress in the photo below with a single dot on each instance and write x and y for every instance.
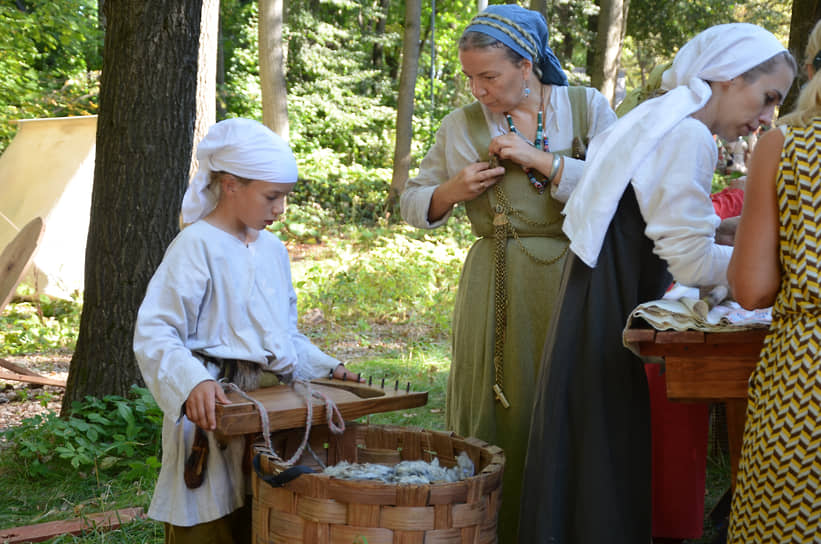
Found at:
(778, 492)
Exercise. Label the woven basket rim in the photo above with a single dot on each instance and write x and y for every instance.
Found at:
(490, 469)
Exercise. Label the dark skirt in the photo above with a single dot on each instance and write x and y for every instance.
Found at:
(587, 473)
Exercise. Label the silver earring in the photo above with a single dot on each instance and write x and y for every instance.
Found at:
(527, 90)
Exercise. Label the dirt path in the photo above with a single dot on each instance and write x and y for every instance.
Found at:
(19, 401)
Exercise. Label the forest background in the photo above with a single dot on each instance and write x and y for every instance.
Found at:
(372, 290)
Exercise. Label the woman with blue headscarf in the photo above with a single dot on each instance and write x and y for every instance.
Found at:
(527, 120)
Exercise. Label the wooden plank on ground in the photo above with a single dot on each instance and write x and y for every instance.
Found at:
(41, 380)
(16, 368)
(104, 521)
(16, 257)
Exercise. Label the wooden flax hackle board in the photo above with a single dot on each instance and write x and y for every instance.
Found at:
(315, 508)
(287, 407)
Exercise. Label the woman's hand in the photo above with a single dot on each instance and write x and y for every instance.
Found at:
(199, 407)
(473, 180)
(512, 147)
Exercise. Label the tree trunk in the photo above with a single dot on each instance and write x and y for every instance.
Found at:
(569, 43)
(404, 107)
(378, 48)
(271, 67)
(805, 13)
(206, 76)
(612, 24)
(144, 139)
(220, 78)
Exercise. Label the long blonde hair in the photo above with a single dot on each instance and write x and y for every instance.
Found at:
(809, 101)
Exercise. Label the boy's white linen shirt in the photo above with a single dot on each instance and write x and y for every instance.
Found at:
(212, 294)
(672, 187)
(453, 150)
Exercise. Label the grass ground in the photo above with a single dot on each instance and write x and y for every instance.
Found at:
(381, 302)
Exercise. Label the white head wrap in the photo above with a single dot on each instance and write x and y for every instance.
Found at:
(719, 53)
(242, 147)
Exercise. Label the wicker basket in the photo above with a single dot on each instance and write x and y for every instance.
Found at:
(315, 508)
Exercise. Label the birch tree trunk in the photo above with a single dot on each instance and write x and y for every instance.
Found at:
(611, 27)
(206, 75)
(404, 108)
(272, 67)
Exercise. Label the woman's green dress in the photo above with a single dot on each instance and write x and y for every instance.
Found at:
(533, 256)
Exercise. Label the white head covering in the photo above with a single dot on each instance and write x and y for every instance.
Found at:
(719, 53)
(242, 147)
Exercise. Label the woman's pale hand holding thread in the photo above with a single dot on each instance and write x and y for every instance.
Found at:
(512, 147)
(469, 183)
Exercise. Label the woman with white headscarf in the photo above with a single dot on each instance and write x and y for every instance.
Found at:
(220, 305)
(528, 117)
(641, 213)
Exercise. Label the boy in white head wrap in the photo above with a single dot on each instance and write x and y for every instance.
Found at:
(641, 209)
(222, 298)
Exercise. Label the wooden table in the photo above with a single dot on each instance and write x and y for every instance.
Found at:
(707, 367)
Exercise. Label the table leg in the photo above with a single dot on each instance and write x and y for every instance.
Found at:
(736, 416)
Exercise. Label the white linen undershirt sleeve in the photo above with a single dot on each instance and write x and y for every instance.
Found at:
(599, 116)
(450, 153)
(672, 187)
(167, 315)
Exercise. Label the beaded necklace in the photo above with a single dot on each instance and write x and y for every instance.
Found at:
(541, 142)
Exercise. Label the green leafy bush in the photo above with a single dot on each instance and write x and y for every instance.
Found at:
(111, 435)
(349, 193)
(399, 279)
(50, 61)
(43, 325)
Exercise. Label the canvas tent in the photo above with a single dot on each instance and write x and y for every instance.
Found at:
(48, 171)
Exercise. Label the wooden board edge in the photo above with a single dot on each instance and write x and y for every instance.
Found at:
(41, 380)
(679, 337)
(103, 521)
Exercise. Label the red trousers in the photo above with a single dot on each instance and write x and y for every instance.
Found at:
(679, 442)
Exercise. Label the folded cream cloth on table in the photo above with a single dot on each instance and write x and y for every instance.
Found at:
(682, 309)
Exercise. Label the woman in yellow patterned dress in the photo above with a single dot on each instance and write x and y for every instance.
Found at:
(777, 260)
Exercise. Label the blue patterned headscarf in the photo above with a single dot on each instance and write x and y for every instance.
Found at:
(524, 31)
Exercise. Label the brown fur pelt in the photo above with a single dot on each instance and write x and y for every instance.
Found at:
(244, 374)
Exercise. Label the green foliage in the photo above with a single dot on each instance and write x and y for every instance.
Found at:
(44, 325)
(662, 27)
(337, 99)
(104, 436)
(570, 32)
(656, 30)
(348, 192)
(425, 368)
(386, 277)
(239, 95)
(49, 60)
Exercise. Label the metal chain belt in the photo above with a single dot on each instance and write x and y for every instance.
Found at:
(502, 230)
